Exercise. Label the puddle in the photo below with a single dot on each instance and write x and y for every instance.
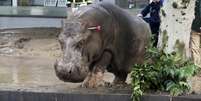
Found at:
(27, 70)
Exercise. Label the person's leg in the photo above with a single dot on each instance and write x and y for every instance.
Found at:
(155, 31)
(195, 48)
(147, 20)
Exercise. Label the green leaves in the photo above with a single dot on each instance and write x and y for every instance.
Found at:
(177, 88)
(162, 71)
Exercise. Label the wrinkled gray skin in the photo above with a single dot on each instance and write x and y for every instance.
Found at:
(87, 53)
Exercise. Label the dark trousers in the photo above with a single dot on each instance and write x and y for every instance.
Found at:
(154, 30)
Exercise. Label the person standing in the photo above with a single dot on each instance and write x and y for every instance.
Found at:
(195, 36)
(153, 8)
(130, 3)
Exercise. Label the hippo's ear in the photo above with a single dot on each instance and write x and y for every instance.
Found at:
(96, 28)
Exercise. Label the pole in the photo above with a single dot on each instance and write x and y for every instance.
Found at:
(14, 3)
(73, 4)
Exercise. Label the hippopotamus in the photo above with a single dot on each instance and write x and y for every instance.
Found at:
(100, 37)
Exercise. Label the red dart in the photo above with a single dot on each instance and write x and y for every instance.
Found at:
(97, 28)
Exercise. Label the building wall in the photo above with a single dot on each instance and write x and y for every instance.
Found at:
(137, 3)
(110, 1)
(140, 3)
(38, 2)
(5, 2)
(29, 22)
(125, 3)
(121, 3)
(29, 2)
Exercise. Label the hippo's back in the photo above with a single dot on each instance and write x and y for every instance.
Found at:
(130, 39)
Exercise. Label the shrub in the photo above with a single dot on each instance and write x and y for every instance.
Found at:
(167, 72)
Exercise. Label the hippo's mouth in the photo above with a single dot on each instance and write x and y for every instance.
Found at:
(70, 73)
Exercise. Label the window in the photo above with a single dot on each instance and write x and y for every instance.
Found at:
(24, 2)
(5, 2)
(59, 3)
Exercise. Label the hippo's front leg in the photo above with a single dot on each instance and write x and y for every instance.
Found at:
(95, 76)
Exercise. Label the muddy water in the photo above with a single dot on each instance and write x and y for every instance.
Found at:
(27, 57)
(27, 70)
(37, 74)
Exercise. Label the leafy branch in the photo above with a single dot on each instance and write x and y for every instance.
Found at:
(167, 72)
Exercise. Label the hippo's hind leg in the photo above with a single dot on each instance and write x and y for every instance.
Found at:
(95, 75)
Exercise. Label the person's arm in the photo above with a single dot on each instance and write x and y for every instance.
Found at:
(199, 5)
(197, 9)
(146, 10)
(161, 2)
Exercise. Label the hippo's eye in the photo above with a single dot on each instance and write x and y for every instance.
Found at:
(70, 32)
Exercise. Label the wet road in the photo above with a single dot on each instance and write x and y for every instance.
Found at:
(30, 68)
(27, 71)
(37, 74)
(31, 74)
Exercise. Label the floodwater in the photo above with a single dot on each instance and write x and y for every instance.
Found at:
(27, 63)
(27, 70)
(37, 74)
(26, 60)
(31, 74)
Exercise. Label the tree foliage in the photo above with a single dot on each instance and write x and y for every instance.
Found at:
(166, 72)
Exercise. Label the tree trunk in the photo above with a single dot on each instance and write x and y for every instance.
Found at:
(176, 16)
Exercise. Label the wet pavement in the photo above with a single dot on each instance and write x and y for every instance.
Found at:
(27, 71)
(37, 74)
(30, 66)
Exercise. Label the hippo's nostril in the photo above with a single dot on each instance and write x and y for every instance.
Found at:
(70, 72)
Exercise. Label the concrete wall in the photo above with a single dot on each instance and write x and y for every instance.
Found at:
(59, 96)
(5, 2)
(29, 22)
(110, 1)
(125, 3)
(122, 3)
(38, 2)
